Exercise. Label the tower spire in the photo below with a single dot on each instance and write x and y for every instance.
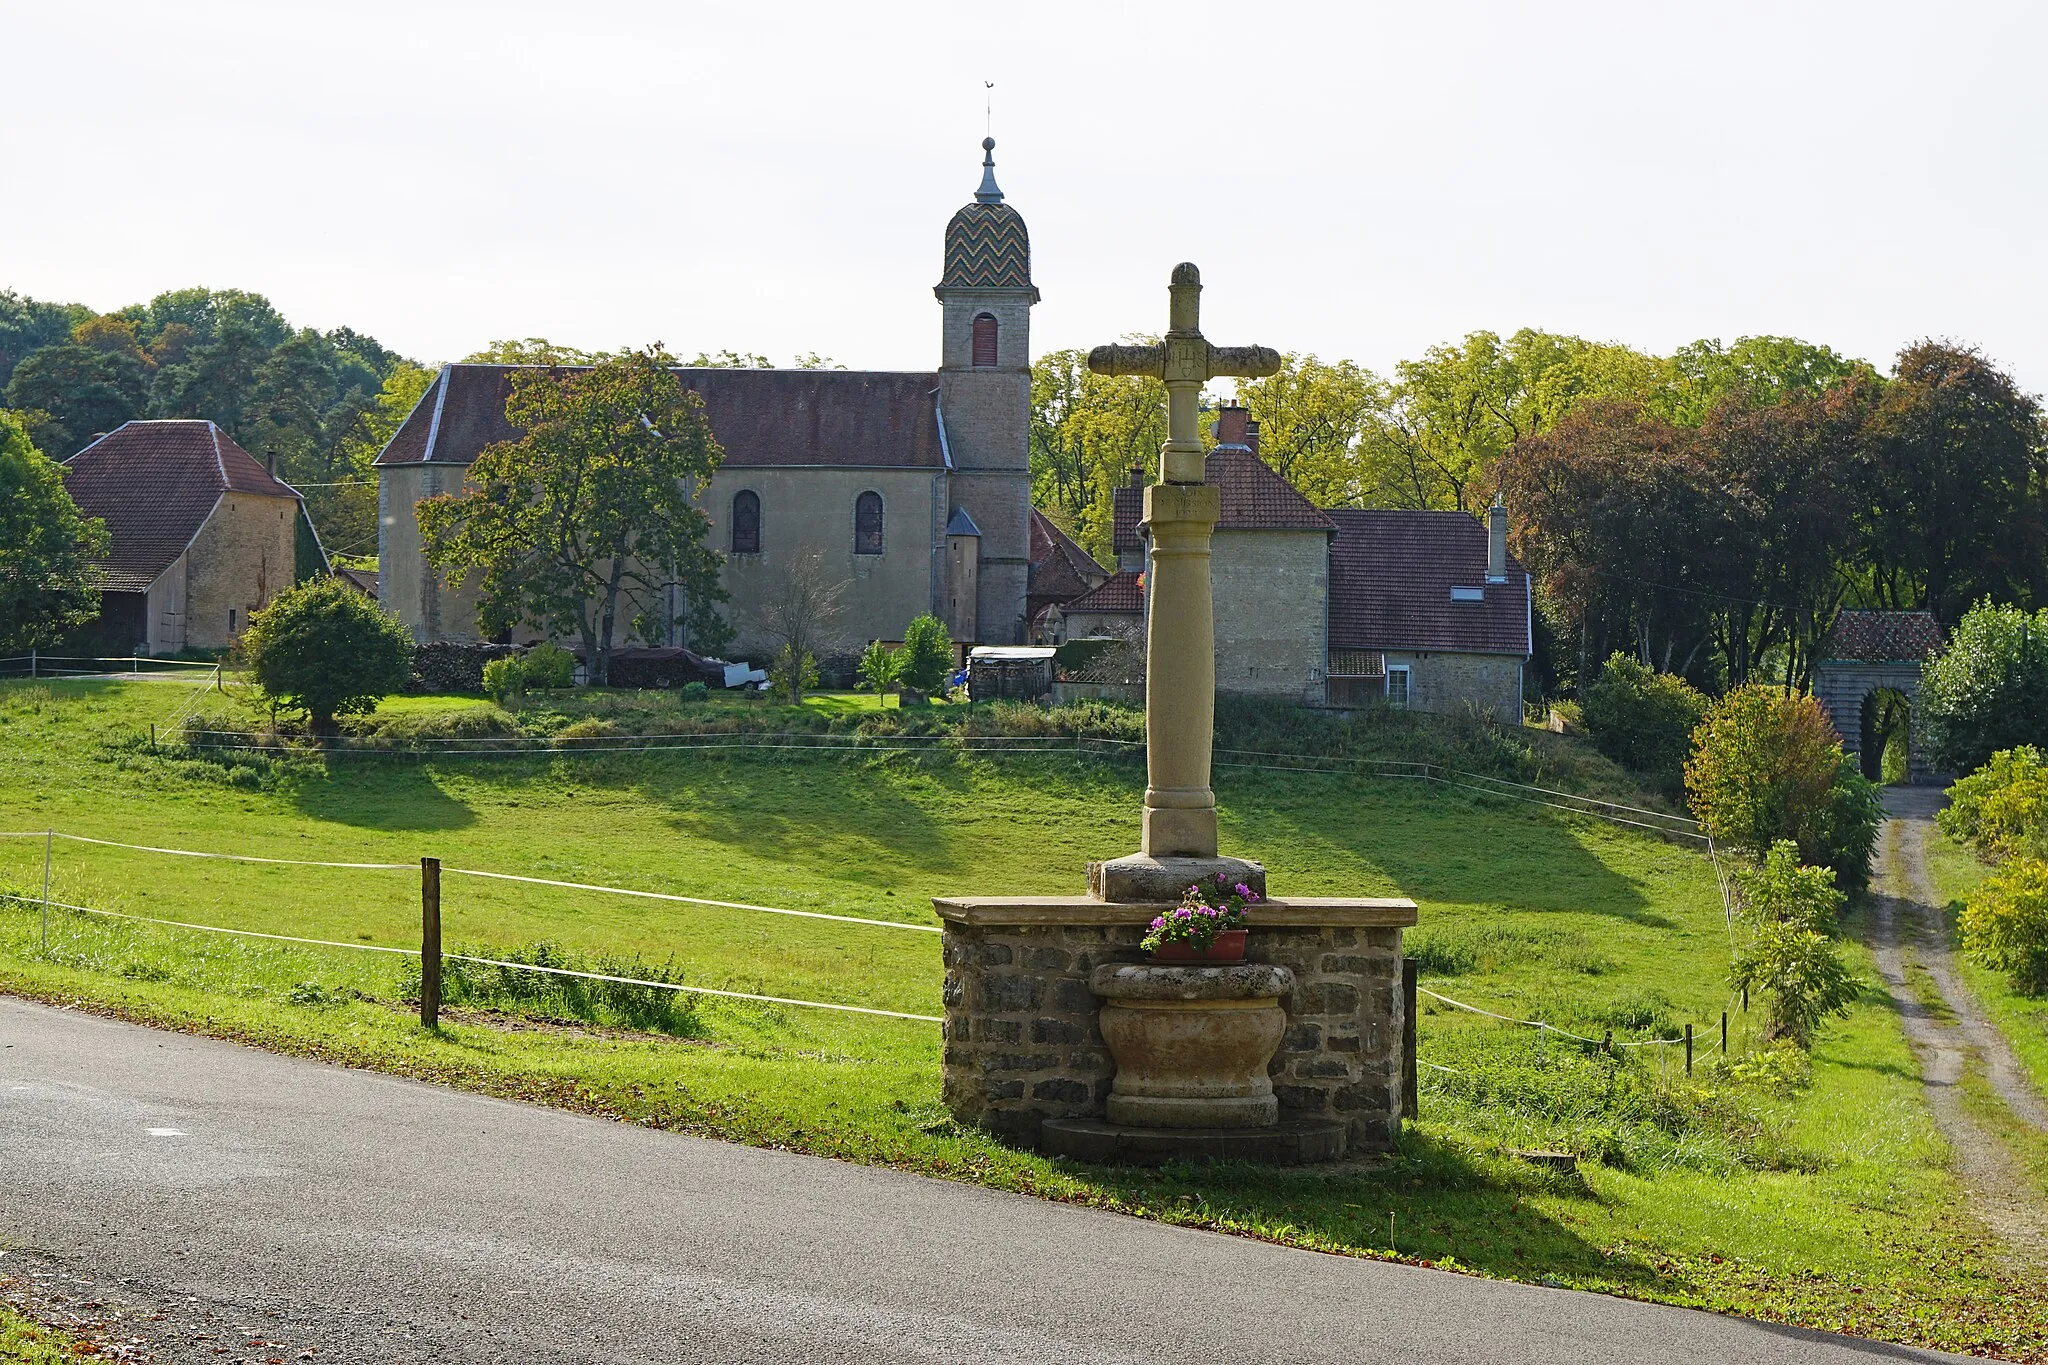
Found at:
(988, 193)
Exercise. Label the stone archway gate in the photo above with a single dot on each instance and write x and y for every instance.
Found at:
(1873, 651)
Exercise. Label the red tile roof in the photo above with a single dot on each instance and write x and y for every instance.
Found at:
(1883, 637)
(1255, 498)
(1118, 593)
(761, 417)
(1391, 575)
(155, 484)
(1060, 569)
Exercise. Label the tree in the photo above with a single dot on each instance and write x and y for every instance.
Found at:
(84, 391)
(1791, 958)
(49, 552)
(927, 655)
(879, 669)
(1988, 688)
(1767, 766)
(1700, 377)
(1643, 719)
(1955, 509)
(534, 351)
(325, 649)
(799, 617)
(591, 511)
(1088, 431)
(27, 325)
(1311, 414)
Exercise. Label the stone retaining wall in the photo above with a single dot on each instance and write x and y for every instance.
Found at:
(1022, 1044)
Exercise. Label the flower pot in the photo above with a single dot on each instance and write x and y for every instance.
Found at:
(1227, 946)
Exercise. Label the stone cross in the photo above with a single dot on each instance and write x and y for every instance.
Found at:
(1180, 635)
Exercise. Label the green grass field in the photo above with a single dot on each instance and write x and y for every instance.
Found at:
(1818, 1197)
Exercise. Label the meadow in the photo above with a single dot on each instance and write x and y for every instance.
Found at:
(1813, 1193)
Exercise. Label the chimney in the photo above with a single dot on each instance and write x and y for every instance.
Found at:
(1497, 541)
(1251, 436)
(270, 462)
(1231, 419)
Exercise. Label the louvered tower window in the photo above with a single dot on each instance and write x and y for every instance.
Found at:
(746, 522)
(984, 339)
(867, 524)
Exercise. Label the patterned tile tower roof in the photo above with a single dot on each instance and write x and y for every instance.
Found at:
(987, 246)
(1882, 637)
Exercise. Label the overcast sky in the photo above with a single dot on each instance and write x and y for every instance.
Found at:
(1358, 180)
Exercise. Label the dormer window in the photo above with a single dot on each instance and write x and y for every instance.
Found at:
(984, 340)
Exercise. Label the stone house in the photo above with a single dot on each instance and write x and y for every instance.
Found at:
(914, 487)
(1336, 607)
(203, 535)
(1060, 572)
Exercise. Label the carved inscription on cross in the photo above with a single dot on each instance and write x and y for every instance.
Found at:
(1185, 361)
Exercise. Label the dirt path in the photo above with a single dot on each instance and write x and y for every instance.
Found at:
(1910, 931)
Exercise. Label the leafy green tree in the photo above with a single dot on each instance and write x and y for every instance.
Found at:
(927, 655)
(49, 552)
(1791, 958)
(1643, 719)
(1954, 510)
(879, 668)
(534, 351)
(84, 391)
(28, 325)
(1700, 377)
(1988, 688)
(1088, 431)
(590, 512)
(1311, 415)
(325, 649)
(1767, 766)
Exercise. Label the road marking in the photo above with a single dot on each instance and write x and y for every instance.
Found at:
(165, 1132)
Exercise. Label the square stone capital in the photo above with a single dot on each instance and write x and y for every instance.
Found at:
(1182, 504)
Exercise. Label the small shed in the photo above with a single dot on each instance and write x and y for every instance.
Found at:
(1009, 672)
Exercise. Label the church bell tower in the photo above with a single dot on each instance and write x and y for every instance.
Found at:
(986, 296)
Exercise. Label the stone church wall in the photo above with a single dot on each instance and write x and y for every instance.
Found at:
(1272, 613)
(804, 509)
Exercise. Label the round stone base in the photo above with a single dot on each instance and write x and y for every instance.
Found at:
(1290, 1142)
(1169, 1111)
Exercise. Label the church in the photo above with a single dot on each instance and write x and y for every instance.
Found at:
(913, 487)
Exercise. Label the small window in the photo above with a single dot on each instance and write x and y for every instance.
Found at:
(746, 522)
(1397, 684)
(1468, 594)
(867, 524)
(984, 339)
(231, 618)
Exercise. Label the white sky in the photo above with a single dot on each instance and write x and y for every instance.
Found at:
(1357, 180)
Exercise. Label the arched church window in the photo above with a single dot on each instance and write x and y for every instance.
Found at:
(984, 339)
(867, 524)
(746, 522)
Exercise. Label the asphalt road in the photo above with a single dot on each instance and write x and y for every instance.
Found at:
(374, 1219)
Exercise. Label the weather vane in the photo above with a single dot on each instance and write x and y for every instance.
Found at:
(988, 110)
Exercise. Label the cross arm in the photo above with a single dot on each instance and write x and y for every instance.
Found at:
(1245, 362)
(1124, 358)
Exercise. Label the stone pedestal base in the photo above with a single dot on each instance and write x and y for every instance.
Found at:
(1142, 877)
(1293, 1141)
(1191, 1043)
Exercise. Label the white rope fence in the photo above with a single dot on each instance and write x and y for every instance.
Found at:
(48, 903)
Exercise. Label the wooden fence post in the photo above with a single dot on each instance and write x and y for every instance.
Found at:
(1607, 1042)
(1410, 1102)
(1724, 1033)
(430, 943)
(1688, 1049)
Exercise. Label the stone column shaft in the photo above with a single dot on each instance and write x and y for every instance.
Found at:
(1180, 673)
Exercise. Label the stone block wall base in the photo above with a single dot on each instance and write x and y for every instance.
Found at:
(1293, 1141)
(1142, 877)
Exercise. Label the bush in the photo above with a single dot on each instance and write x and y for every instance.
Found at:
(481, 721)
(1988, 689)
(327, 650)
(548, 666)
(2002, 808)
(695, 691)
(503, 678)
(591, 732)
(1791, 959)
(1644, 720)
(2005, 924)
(1768, 766)
(792, 673)
(927, 655)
